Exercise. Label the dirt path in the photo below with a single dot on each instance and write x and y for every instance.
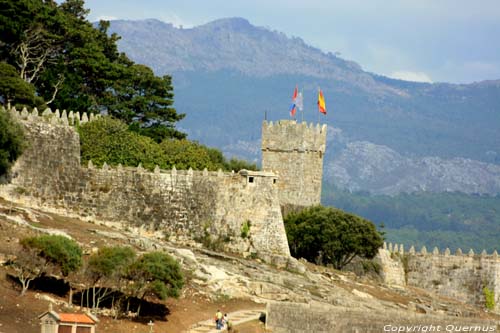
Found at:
(236, 318)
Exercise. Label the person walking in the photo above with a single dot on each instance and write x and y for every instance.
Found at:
(218, 320)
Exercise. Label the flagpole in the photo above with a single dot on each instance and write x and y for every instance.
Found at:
(302, 110)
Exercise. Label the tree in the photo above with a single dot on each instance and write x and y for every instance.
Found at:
(13, 89)
(61, 253)
(155, 274)
(331, 236)
(105, 270)
(48, 254)
(11, 140)
(28, 266)
(74, 65)
(145, 101)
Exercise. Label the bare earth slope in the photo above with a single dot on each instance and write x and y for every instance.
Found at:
(214, 281)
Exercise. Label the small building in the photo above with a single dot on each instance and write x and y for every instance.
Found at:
(53, 322)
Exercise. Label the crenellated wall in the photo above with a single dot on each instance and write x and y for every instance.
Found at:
(186, 205)
(295, 151)
(460, 276)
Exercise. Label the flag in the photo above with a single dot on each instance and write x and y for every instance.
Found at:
(300, 102)
(321, 102)
(293, 107)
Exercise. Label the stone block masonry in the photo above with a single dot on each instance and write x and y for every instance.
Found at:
(295, 151)
(322, 318)
(187, 205)
(461, 275)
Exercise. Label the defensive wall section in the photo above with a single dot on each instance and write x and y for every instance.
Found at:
(284, 317)
(186, 205)
(461, 275)
(294, 151)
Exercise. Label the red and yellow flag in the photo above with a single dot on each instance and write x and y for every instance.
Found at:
(321, 102)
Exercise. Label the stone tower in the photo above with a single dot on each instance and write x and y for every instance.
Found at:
(294, 151)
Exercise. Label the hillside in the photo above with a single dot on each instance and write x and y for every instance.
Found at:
(214, 280)
(229, 75)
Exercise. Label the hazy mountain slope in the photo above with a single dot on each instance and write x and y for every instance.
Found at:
(229, 75)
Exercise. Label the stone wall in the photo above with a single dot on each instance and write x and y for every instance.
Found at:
(209, 207)
(294, 151)
(460, 276)
(284, 317)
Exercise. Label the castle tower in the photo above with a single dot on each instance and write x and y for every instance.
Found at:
(294, 151)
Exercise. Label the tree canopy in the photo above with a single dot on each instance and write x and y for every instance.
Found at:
(61, 252)
(71, 64)
(331, 236)
(109, 140)
(155, 274)
(11, 140)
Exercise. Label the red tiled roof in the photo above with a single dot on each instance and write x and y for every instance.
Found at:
(75, 318)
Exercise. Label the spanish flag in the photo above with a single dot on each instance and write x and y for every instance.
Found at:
(321, 102)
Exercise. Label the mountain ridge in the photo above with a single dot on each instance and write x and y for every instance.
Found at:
(229, 75)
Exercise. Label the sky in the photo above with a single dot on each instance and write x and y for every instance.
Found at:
(419, 40)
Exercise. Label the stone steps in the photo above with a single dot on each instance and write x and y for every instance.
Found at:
(236, 318)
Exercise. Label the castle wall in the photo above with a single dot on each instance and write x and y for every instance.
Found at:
(294, 151)
(460, 276)
(186, 205)
(285, 317)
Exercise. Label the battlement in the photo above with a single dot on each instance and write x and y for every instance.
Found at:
(399, 249)
(53, 117)
(244, 176)
(289, 135)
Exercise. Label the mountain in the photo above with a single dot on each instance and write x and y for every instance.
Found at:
(230, 75)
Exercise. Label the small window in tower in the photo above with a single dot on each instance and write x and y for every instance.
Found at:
(250, 179)
(274, 181)
(320, 154)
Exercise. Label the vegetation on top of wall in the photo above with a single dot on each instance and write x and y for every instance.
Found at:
(110, 140)
(11, 141)
(326, 235)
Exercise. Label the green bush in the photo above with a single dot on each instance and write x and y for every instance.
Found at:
(489, 297)
(330, 236)
(111, 141)
(158, 274)
(245, 229)
(185, 154)
(110, 262)
(62, 252)
(11, 141)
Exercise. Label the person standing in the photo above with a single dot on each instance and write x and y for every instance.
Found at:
(218, 320)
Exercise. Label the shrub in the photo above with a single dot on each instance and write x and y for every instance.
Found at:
(489, 297)
(11, 141)
(109, 140)
(61, 252)
(245, 229)
(330, 236)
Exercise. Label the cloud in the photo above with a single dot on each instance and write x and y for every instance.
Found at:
(106, 18)
(411, 76)
(176, 20)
